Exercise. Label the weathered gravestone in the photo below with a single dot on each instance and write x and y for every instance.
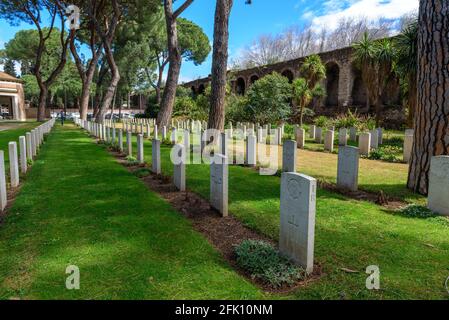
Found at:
(219, 184)
(312, 132)
(342, 137)
(297, 229)
(318, 135)
(374, 139)
(329, 141)
(408, 146)
(300, 137)
(353, 134)
(289, 152)
(348, 168)
(439, 185)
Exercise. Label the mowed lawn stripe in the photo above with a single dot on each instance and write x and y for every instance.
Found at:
(80, 207)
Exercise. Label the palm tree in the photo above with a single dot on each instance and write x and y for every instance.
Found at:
(313, 70)
(305, 89)
(385, 59)
(302, 96)
(407, 65)
(365, 59)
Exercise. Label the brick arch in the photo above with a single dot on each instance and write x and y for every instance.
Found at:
(289, 74)
(359, 94)
(253, 78)
(333, 70)
(240, 86)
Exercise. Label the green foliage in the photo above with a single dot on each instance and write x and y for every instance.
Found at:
(322, 122)
(386, 153)
(194, 43)
(421, 212)
(263, 262)
(131, 161)
(347, 120)
(142, 172)
(269, 99)
(237, 108)
(313, 70)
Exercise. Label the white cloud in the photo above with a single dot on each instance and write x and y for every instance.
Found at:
(372, 10)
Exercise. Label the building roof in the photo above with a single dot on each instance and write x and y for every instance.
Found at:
(6, 77)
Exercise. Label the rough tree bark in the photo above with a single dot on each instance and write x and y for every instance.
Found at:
(432, 112)
(219, 64)
(175, 60)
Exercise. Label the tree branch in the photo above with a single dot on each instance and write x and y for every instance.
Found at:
(181, 9)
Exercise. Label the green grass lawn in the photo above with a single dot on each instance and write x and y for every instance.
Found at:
(412, 253)
(11, 131)
(80, 207)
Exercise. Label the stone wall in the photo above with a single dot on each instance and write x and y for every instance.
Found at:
(344, 86)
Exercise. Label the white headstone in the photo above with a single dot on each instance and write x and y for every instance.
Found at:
(156, 156)
(318, 135)
(251, 158)
(120, 140)
(380, 136)
(179, 173)
(29, 146)
(3, 192)
(439, 185)
(219, 184)
(13, 164)
(374, 139)
(408, 146)
(312, 132)
(129, 144)
(365, 143)
(348, 168)
(329, 141)
(289, 152)
(23, 154)
(353, 134)
(342, 137)
(140, 155)
(186, 141)
(297, 230)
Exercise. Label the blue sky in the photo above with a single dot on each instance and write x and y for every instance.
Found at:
(268, 16)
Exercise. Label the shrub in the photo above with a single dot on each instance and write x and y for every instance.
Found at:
(321, 122)
(269, 99)
(237, 109)
(132, 161)
(386, 153)
(263, 262)
(142, 172)
(347, 120)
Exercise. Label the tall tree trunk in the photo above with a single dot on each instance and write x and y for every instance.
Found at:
(432, 112)
(219, 64)
(175, 60)
(43, 95)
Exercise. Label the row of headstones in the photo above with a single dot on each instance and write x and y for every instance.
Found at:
(298, 197)
(29, 147)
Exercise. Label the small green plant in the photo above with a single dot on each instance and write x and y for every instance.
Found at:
(421, 212)
(132, 161)
(263, 262)
(30, 162)
(142, 172)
